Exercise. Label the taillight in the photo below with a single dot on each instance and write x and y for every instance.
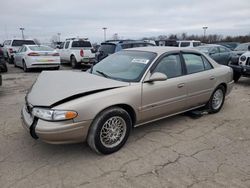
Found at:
(33, 54)
(55, 54)
(81, 53)
(11, 50)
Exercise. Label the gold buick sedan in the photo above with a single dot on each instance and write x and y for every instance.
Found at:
(124, 90)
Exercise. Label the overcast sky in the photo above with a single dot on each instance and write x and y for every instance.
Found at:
(129, 18)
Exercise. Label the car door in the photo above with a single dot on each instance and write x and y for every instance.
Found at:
(162, 98)
(200, 79)
(214, 53)
(64, 51)
(225, 55)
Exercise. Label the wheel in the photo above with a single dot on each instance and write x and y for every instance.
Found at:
(73, 62)
(5, 69)
(109, 131)
(216, 101)
(14, 63)
(25, 69)
(236, 76)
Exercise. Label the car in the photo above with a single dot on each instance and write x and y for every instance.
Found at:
(125, 90)
(77, 51)
(3, 66)
(36, 56)
(220, 54)
(242, 68)
(112, 46)
(239, 50)
(12, 46)
(188, 43)
(230, 45)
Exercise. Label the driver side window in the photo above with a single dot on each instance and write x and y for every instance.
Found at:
(170, 66)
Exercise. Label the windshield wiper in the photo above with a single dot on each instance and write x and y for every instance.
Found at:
(103, 74)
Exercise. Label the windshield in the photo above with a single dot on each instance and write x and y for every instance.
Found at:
(40, 48)
(81, 44)
(22, 42)
(204, 49)
(242, 47)
(126, 66)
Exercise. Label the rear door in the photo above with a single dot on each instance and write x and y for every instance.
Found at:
(200, 79)
(162, 98)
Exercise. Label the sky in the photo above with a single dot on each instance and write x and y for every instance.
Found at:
(133, 19)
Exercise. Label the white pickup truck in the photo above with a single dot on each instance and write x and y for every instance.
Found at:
(77, 51)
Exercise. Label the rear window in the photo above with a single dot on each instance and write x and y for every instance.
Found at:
(22, 42)
(81, 44)
(107, 48)
(40, 48)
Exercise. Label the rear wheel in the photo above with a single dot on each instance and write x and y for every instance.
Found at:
(216, 101)
(73, 62)
(109, 131)
(25, 69)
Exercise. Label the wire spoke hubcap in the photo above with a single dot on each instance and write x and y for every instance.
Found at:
(217, 99)
(113, 132)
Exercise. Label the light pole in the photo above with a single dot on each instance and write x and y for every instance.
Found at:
(104, 30)
(22, 29)
(59, 34)
(204, 28)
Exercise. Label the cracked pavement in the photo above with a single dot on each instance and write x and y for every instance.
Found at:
(210, 151)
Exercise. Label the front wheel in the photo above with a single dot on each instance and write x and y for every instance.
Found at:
(216, 101)
(236, 76)
(110, 130)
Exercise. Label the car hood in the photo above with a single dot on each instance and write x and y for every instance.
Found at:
(55, 87)
(239, 53)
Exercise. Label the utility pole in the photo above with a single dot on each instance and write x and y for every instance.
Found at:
(205, 29)
(59, 34)
(22, 29)
(104, 30)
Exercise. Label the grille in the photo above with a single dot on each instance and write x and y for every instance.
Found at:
(248, 61)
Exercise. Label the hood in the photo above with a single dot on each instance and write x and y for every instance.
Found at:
(54, 87)
(239, 53)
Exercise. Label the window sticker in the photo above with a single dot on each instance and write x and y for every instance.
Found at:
(143, 61)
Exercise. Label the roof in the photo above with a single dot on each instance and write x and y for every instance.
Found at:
(161, 49)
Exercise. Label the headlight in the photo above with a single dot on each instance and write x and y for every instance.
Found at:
(243, 58)
(53, 115)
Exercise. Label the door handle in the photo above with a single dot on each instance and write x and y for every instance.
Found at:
(212, 78)
(180, 85)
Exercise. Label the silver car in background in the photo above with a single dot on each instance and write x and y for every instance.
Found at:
(127, 89)
(36, 56)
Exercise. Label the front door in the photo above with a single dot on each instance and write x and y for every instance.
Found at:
(162, 98)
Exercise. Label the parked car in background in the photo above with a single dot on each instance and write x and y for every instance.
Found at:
(127, 89)
(12, 46)
(36, 56)
(3, 66)
(166, 42)
(77, 51)
(188, 43)
(242, 67)
(239, 50)
(230, 45)
(220, 54)
(112, 46)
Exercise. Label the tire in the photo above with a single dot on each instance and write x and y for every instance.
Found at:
(218, 97)
(5, 69)
(15, 63)
(98, 140)
(25, 69)
(236, 76)
(73, 62)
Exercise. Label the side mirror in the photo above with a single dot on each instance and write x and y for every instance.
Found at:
(157, 76)
(248, 48)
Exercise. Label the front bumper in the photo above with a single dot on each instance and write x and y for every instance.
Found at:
(242, 69)
(62, 132)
